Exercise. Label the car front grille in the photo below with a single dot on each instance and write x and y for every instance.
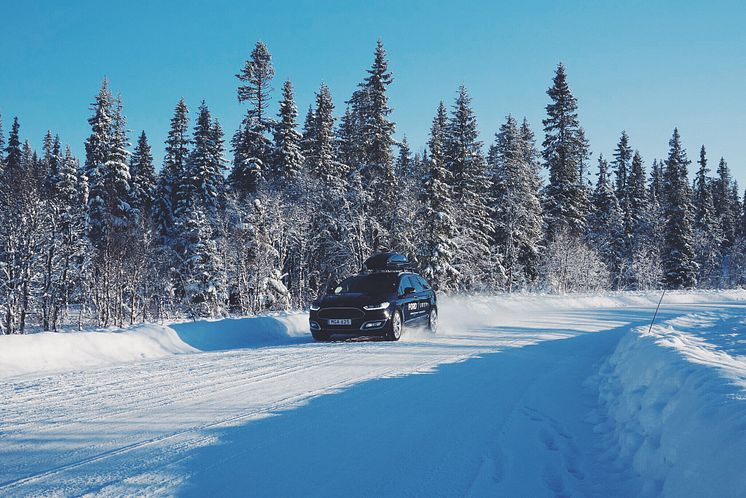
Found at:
(352, 313)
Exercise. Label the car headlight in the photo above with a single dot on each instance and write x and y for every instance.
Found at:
(381, 306)
(315, 307)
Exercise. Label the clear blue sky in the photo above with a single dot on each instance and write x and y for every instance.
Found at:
(643, 66)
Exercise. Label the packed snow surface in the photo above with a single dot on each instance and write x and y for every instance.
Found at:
(515, 396)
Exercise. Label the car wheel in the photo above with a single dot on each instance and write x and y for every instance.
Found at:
(432, 323)
(320, 336)
(396, 327)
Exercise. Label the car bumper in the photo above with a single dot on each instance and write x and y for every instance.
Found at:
(369, 324)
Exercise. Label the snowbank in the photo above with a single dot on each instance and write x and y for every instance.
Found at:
(49, 352)
(675, 403)
(489, 310)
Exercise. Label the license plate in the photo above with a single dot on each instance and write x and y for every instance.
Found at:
(340, 321)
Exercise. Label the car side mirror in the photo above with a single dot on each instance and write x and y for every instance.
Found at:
(408, 290)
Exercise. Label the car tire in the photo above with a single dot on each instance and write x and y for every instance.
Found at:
(432, 321)
(396, 328)
(320, 336)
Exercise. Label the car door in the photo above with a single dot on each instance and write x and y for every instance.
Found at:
(408, 301)
(423, 297)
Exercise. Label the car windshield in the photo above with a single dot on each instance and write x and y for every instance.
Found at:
(374, 284)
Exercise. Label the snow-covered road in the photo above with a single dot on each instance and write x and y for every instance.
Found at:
(505, 407)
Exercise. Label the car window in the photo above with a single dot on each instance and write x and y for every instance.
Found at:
(373, 284)
(406, 281)
(422, 282)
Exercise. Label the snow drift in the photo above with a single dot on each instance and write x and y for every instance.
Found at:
(49, 351)
(676, 407)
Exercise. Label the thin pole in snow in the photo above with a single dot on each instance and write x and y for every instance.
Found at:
(656, 311)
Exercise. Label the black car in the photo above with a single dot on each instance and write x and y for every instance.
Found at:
(380, 301)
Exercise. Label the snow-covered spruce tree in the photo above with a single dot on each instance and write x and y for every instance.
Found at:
(112, 222)
(50, 160)
(122, 214)
(637, 201)
(642, 263)
(622, 170)
(349, 133)
(172, 172)
(330, 251)
(707, 234)
(13, 150)
(606, 224)
(202, 184)
(288, 158)
(106, 167)
(321, 156)
(732, 275)
(48, 166)
(201, 268)
(403, 167)
(470, 187)
(727, 214)
(291, 186)
(143, 184)
(68, 196)
(437, 213)
(565, 151)
(22, 232)
(516, 208)
(252, 147)
(404, 217)
(679, 260)
(2, 146)
(376, 139)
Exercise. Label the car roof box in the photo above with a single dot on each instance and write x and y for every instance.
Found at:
(386, 261)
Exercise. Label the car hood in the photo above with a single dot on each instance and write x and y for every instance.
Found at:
(354, 300)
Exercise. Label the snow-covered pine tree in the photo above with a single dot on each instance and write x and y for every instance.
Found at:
(707, 234)
(470, 189)
(172, 172)
(437, 213)
(565, 151)
(252, 147)
(143, 177)
(288, 158)
(516, 208)
(606, 224)
(679, 260)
